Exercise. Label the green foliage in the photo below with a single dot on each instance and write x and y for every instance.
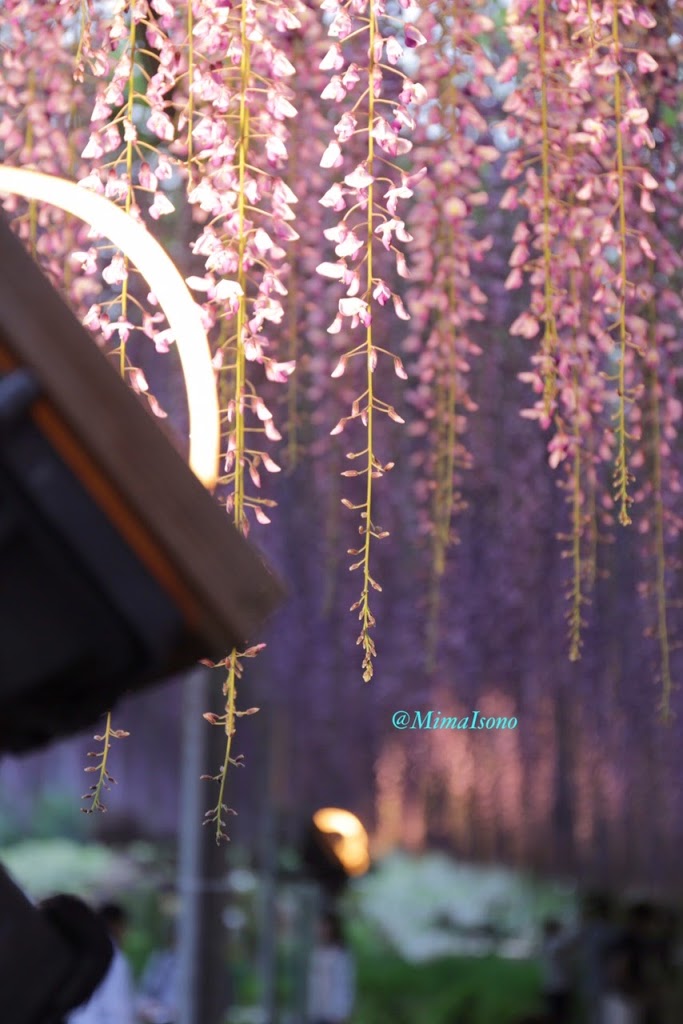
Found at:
(53, 814)
(146, 932)
(246, 984)
(11, 825)
(468, 990)
(58, 814)
(446, 989)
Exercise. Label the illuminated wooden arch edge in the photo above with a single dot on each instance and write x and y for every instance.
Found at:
(166, 283)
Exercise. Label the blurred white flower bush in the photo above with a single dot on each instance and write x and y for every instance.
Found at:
(432, 906)
(42, 867)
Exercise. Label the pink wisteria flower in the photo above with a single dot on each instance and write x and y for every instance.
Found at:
(357, 310)
(333, 59)
(369, 231)
(359, 178)
(332, 156)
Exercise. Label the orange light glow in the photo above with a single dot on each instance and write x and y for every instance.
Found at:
(347, 836)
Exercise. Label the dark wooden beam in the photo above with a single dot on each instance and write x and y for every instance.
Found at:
(116, 449)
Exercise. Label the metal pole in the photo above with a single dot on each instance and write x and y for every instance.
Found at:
(202, 867)
(268, 873)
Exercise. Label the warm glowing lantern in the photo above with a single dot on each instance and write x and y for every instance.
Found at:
(347, 838)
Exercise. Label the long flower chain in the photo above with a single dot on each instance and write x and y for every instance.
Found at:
(556, 226)
(365, 221)
(42, 126)
(587, 250)
(106, 137)
(245, 206)
(661, 286)
(445, 299)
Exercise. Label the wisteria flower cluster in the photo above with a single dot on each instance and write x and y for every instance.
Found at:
(325, 175)
(43, 121)
(237, 152)
(588, 243)
(368, 197)
(445, 300)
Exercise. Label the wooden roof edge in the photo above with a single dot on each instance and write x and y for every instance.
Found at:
(219, 565)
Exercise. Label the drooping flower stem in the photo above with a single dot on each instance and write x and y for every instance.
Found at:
(292, 315)
(445, 228)
(83, 38)
(96, 798)
(656, 478)
(549, 329)
(591, 26)
(444, 465)
(660, 555)
(104, 778)
(190, 86)
(444, 496)
(593, 526)
(230, 694)
(109, 733)
(28, 142)
(366, 219)
(230, 687)
(582, 571)
(130, 101)
(293, 387)
(365, 615)
(621, 472)
(240, 357)
(293, 391)
(577, 598)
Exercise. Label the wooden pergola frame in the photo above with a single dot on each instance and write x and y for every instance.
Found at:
(123, 460)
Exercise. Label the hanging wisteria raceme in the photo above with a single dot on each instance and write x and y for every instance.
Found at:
(444, 299)
(616, 40)
(587, 367)
(124, 141)
(236, 153)
(621, 181)
(43, 121)
(659, 467)
(553, 243)
(369, 223)
(124, 54)
(302, 331)
(312, 401)
(631, 119)
(661, 521)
